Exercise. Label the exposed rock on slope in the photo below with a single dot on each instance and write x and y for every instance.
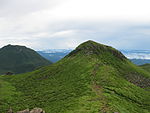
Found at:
(35, 110)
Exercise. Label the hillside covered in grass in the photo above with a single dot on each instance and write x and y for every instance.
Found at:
(146, 67)
(20, 59)
(93, 78)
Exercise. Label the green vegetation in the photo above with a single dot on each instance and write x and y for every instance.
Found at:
(146, 67)
(93, 78)
(19, 59)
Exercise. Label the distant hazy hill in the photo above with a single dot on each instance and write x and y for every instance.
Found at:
(93, 78)
(54, 55)
(20, 59)
(140, 61)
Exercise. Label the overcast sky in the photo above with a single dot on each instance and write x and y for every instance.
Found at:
(59, 24)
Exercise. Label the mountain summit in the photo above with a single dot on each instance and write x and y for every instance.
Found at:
(19, 59)
(93, 48)
(93, 78)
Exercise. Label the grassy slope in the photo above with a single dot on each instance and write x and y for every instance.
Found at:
(146, 67)
(79, 83)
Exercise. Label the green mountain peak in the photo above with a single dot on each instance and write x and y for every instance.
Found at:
(93, 48)
(13, 46)
(20, 59)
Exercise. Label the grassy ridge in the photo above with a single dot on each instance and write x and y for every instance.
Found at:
(82, 82)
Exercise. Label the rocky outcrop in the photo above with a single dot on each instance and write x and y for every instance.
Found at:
(24, 111)
(10, 111)
(35, 110)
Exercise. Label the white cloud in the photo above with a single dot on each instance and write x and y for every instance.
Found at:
(128, 10)
(66, 23)
(21, 7)
(63, 33)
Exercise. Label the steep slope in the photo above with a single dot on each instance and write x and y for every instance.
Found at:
(93, 78)
(146, 67)
(19, 59)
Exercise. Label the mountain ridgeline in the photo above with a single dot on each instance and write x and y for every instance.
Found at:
(20, 59)
(94, 78)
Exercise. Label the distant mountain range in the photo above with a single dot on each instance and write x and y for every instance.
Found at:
(93, 78)
(20, 59)
(138, 57)
(54, 55)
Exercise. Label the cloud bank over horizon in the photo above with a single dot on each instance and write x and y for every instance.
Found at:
(56, 24)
